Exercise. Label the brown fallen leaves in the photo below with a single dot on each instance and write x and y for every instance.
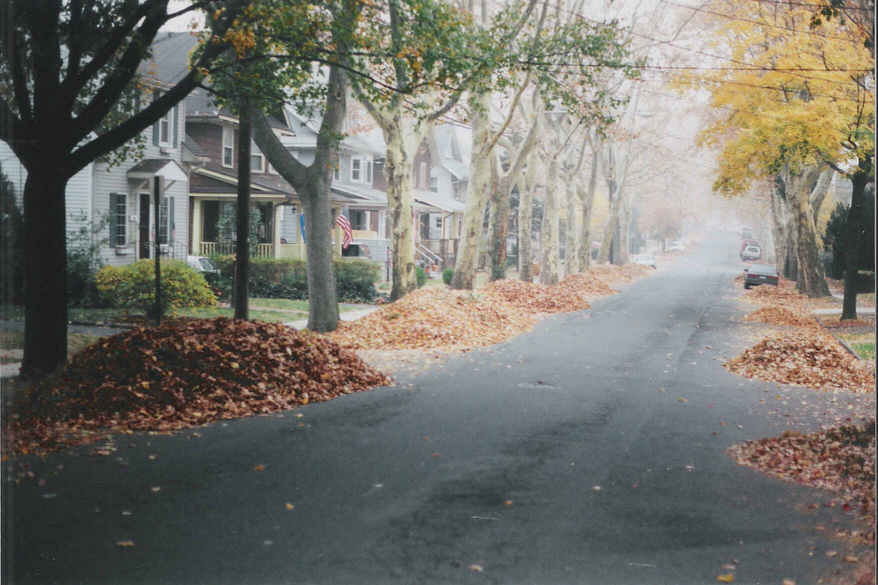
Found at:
(182, 374)
(807, 358)
(780, 316)
(537, 298)
(434, 317)
(437, 317)
(840, 459)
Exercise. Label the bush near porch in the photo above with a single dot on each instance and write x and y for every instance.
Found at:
(133, 286)
(286, 278)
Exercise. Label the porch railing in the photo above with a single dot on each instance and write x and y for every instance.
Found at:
(225, 248)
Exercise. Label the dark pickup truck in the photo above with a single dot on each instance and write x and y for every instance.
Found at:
(760, 274)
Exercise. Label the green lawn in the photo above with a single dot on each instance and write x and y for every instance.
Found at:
(274, 310)
(15, 340)
(862, 343)
(865, 350)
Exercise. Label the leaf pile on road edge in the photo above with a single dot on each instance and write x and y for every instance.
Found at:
(182, 374)
(612, 274)
(805, 358)
(774, 315)
(536, 298)
(840, 459)
(434, 317)
(588, 284)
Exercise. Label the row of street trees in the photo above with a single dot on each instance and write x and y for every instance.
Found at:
(72, 93)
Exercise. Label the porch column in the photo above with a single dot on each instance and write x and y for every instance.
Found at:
(197, 227)
(278, 217)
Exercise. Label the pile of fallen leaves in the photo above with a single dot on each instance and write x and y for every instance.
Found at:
(587, 284)
(435, 317)
(806, 358)
(536, 298)
(780, 316)
(612, 274)
(840, 459)
(784, 295)
(186, 373)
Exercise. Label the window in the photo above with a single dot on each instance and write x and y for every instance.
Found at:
(118, 219)
(439, 222)
(228, 146)
(257, 159)
(165, 129)
(359, 219)
(166, 220)
(336, 172)
(361, 170)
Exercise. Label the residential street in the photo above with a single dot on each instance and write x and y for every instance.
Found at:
(589, 451)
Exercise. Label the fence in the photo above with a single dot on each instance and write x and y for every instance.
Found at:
(226, 248)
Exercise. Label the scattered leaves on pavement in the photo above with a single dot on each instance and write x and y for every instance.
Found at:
(182, 374)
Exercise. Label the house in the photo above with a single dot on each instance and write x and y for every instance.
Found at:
(119, 197)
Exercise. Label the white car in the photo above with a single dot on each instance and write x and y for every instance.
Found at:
(644, 260)
(676, 246)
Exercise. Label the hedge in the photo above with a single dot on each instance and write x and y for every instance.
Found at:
(287, 278)
(133, 285)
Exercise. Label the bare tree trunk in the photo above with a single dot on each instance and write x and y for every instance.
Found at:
(322, 298)
(501, 193)
(242, 244)
(45, 271)
(399, 165)
(549, 232)
(810, 278)
(854, 232)
(573, 231)
(525, 223)
(586, 198)
(477, 196)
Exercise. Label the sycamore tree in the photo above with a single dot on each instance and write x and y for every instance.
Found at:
(797, 104)
(563, 57)
(70, 93)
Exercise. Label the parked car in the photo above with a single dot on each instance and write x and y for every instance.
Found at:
(202, 264)
(644, 259)
(676, 246)
(751, 252)
(760, 274)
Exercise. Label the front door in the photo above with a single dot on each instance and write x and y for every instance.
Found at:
(144, 225)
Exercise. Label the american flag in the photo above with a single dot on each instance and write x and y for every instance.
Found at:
(347, 235)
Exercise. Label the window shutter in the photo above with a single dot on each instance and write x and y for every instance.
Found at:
(174, 122)
(114, 219)
(171, 225)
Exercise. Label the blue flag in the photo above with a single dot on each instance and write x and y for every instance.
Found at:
(302, 224)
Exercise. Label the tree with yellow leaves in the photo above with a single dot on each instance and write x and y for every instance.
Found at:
(794, 104)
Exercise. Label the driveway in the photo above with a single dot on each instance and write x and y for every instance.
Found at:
(591, 451)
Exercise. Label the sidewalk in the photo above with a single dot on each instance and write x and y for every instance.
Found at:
(346, 316)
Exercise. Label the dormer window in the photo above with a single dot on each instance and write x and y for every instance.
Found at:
(257, 159)
(361, 170)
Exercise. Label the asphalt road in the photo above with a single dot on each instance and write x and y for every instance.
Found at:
(589, 451)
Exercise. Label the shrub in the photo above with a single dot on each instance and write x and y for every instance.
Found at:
(286, 278)
(447, 275)
(133, 286)
(355, 280)
(420, 276)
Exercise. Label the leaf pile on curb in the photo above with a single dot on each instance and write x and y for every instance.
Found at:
(611, 273)
(840, 459)
(807, 358)
(536, 298)
(588, 284)
(783, 296)
(187, 373)
(780, 316)
(434, 317)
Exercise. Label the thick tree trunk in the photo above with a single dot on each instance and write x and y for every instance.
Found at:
(525, 221)
(322, 299)
(399, 199)
(573, 257)
(854, 232)
(549, 232)
(242, 245)
(501, 192)
(476, 198)
(45, 271)
(586, 198)
(810, 278)
(624, 230)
